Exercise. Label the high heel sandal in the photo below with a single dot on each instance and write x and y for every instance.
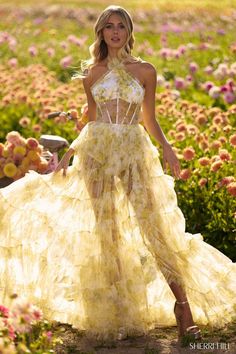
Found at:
(185, 335)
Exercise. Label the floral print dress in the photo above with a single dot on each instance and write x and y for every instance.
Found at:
(99, 247)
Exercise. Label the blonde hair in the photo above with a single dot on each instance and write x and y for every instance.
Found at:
(98, 50)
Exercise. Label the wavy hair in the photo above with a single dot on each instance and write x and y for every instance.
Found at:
(98, 50)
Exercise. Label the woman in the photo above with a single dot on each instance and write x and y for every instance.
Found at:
(103, 245)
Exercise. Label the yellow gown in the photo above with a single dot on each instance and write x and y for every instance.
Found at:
(98, 247)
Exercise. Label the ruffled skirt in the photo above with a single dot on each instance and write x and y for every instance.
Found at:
(98, 248)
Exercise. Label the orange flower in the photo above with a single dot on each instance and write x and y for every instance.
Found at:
(232, 140)
(202, 182)
(216, 166)
(204, 161)
(222, 139)
(1, 149)
(36, 128)
(181, 127)
(180, 136)
(33, 155)
(217, 120)
(216, 144)
(192, 129)
(227, 128)
(188, 153)
(231, 188)
(185, 174)
(24, 122)
(203, 145)
(42, 166)
(201, 119)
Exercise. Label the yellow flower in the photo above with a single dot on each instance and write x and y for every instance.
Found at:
(5, 152)
(10, 169)
(19, 150)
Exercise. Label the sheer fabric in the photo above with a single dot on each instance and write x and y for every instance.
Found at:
(98, 248)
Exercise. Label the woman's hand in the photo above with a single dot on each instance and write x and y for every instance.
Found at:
(170, 157)
(64, 163)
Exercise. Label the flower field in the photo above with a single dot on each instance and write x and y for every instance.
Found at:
(194, 52)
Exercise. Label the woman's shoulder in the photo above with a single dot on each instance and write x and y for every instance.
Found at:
(93, 73)
(147, 67)
(144, 66)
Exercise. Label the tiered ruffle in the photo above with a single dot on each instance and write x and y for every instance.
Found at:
(98, 247)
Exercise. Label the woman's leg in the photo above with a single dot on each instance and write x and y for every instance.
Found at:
(165, 262)
(182, 309)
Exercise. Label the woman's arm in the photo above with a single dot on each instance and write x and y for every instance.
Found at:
(90, 100)
(65, 160)
(152, 125)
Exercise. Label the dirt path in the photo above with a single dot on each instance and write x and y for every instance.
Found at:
(159, 340)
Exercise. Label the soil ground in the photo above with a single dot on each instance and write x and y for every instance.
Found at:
(157, 341)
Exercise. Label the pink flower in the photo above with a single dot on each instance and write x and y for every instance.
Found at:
(232, 140)
(185, 174)
(216, 166)
(202, 182)
(13, 138)
(32, 143)
(33, 51)
(215, 158)
(182, 49)
(188, 153)
(229, 97)
(37, 313)
(193, 67)
(226, 180)
(49, 334)
(179, 83)
(4, 311)
(214, 92)
(51, 52)
(224, 155)
(231, 188)
(208, 85)
(66, 61)
(216, 144)
(208, 69)
(13, 62)
(204, 161)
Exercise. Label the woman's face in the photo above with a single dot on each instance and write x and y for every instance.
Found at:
(114, 32)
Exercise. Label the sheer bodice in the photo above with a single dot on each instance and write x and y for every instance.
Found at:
(118, 95)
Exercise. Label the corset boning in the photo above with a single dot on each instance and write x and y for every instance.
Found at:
(118, 111)
(118, 96)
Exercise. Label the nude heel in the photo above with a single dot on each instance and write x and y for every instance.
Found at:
(185, 335)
